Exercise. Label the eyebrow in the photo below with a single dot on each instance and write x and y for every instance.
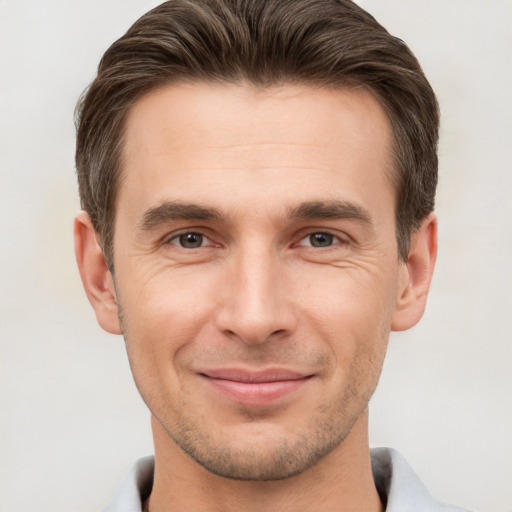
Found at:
(331, 210)
(170, 210)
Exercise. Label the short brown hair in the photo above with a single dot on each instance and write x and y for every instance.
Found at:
(262, 42)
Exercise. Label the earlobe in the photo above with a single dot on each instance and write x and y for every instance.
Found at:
(416, 276)
(96, 277)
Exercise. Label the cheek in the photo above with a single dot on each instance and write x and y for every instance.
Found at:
(347, 300)
(166, 302)
(350, 313)
(160, 320)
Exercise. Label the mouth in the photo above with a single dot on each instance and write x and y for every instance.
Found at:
(256, 388)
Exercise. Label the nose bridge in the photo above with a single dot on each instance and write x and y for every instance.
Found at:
(255, 304)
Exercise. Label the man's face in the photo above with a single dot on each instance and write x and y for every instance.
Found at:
(256, 268)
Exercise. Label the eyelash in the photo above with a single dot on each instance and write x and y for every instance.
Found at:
(185, 233)
(336, 239)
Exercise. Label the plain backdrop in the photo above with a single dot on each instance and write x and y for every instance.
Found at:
(71, 420)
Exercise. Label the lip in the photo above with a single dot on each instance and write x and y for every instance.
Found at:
(256, 388)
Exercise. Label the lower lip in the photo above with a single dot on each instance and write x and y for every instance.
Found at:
(256, 393)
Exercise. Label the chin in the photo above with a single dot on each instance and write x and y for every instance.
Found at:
(254, 464)
(258, 452)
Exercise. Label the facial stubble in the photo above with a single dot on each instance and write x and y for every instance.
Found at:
(327, 426)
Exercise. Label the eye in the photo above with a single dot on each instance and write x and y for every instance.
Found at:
(319, 239)
(190, 240)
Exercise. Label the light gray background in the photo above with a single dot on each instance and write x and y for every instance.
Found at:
(71, 419)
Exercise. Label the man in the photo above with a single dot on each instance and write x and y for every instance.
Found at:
(258, 182)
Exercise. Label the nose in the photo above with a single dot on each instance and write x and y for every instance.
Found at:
(255, 302)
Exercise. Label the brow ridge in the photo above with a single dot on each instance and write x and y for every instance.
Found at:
(168, 211)
(172, 210)
(330, 210)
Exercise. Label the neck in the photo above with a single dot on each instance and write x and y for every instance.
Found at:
(340, 482)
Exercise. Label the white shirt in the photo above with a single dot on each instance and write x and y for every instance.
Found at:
(399, 487)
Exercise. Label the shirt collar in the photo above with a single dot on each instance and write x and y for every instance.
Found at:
(398, 486)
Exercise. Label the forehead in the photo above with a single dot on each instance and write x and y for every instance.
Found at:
(285, 141)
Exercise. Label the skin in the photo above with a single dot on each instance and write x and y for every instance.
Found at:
(255, 232)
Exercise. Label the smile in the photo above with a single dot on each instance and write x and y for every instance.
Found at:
(255, 388)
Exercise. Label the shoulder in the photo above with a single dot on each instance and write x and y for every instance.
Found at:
(399, 486)
(134, 488)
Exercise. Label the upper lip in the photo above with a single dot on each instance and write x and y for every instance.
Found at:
(254, 376)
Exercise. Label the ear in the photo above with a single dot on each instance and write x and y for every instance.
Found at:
(416, 275)
(96, 277)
